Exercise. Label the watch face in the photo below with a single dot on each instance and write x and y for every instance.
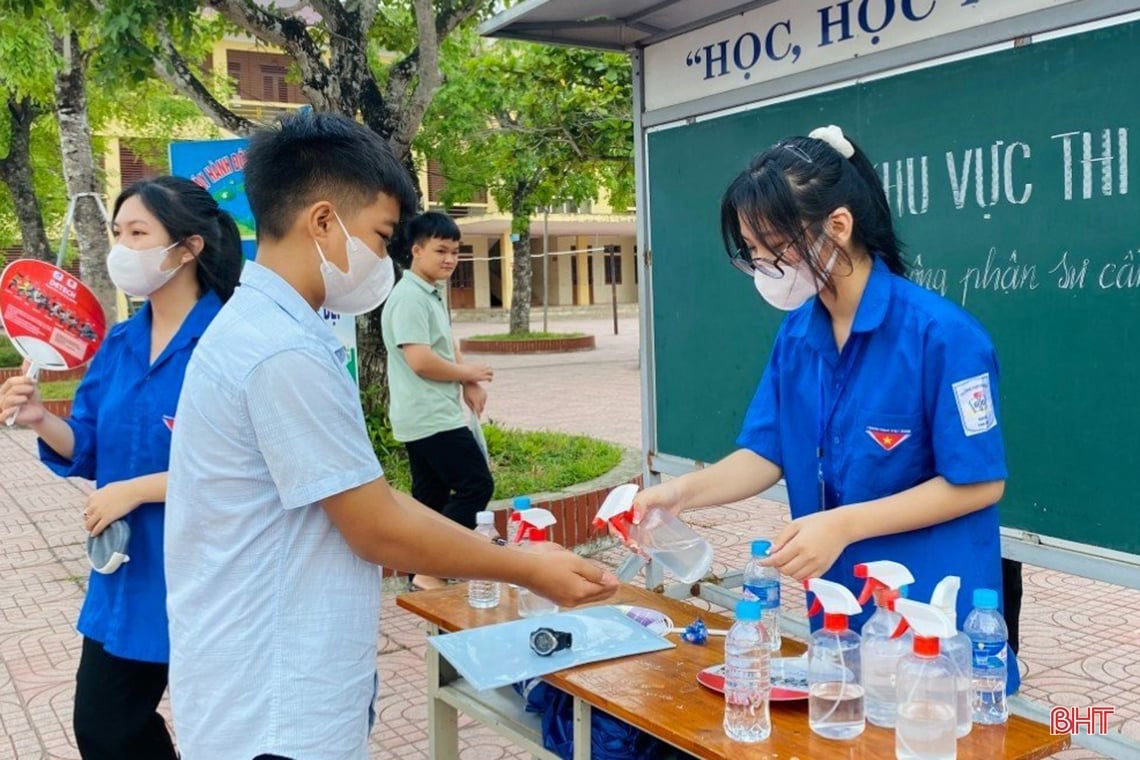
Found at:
(543, 642)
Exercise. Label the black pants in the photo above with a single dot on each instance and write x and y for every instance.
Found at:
(1011, 593)
(450, 475)
(116, 703)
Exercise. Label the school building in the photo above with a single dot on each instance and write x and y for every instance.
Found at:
(591, 247)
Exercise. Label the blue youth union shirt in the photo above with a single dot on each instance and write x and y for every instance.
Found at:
(913, 395)
(122, 418)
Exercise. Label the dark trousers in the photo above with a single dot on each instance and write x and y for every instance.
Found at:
(450, 475)
(1011, 590)
(116, 703)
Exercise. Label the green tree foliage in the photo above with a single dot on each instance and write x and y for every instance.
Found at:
(377, 61)
(535, 125)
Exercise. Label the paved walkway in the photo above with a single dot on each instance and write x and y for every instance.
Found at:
(1080, 638)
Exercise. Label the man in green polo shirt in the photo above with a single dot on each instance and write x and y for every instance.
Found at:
(428, 384)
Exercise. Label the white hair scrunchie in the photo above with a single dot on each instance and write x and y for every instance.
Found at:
(833, 136)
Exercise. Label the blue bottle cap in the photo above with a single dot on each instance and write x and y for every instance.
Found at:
(760, 548)
(748, 610)
(521, 502)
(985, 599)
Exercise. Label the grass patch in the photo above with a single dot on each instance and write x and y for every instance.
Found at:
(9, 356)
(529, 336)
(529, 462)
(521, 462)
(58, 390)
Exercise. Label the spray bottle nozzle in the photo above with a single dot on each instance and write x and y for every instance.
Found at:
(882, 575)
(834, 600)
(532, 518)
(945, 597)
(928, 623)
(617, 510)
(534, 534)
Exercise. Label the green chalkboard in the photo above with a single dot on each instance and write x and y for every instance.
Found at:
(1041, 245)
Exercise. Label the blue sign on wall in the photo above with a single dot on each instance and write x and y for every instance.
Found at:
(218, 166)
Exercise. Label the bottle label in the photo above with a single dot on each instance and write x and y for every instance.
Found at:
(988, 655)
(768, 595)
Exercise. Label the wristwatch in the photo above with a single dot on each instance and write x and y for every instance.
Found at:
(546, 641)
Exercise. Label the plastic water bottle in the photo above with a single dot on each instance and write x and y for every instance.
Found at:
(747, 681)
(518, 504)
(484, 595)
(530, 603)
(762, 584)
(986, 630)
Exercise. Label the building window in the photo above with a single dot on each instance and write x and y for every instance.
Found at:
(464, 276)
(274, 88)
(261, 77)
(613, 264)
(437, 186)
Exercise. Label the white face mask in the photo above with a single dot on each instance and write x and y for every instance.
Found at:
(792, 291)
(364, 286)
(139, 273)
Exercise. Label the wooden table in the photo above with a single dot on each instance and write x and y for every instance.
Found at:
(658, 693)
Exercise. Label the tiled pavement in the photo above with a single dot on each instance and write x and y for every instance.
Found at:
(1080, 638)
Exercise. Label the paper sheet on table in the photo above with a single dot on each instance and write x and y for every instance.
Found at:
(497, 655)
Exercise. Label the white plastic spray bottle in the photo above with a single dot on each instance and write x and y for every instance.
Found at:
(927, 712)
(835, 692)
(957, 648)
(661, 535)
(879, 651)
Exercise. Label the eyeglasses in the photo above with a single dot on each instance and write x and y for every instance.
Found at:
(744, 262)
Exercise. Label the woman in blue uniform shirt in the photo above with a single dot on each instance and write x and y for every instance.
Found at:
(176, 248)
(878, 405)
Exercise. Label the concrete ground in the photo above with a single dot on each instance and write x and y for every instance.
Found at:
(1080, 638)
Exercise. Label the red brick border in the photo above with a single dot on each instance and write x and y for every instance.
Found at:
(536, 346)
(575, 515)
(67, 374)
(60, 408)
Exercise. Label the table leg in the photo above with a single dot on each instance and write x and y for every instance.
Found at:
(582, 723)
(443, 719)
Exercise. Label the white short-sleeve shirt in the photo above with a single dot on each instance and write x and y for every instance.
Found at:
(273, 619)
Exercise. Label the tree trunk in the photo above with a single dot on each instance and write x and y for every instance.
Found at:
(79, 171)
(522, 271)
(16, 173)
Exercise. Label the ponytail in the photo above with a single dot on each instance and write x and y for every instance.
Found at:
(877, 231)
(219, 265)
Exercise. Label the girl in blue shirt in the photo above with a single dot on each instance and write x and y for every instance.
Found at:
(176, 248)
(878, 405)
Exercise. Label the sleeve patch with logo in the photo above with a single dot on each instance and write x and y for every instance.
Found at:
(975, 404)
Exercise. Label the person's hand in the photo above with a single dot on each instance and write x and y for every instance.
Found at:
(478, 373)
(475, 396)
(569, 580)
(21, 393)
(809, 546)
(107, 504)
(662, 496)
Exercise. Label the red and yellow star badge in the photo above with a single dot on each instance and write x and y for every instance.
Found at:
(888, 439)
